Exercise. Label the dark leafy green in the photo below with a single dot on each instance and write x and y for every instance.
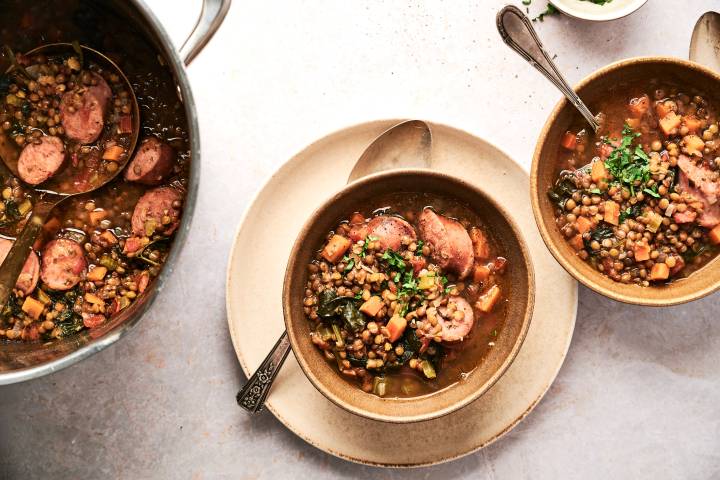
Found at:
(632, 211)
(333, 308)
(563, 189)
(602, 231)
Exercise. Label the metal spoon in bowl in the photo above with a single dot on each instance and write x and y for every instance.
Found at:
(69, 181)
(518, 33)
(705, 41)
(405, 145)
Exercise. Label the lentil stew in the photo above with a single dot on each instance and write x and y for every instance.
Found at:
(407, 296)
(638, 200)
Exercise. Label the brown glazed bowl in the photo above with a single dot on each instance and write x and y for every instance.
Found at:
(520, 275)
(544, 170)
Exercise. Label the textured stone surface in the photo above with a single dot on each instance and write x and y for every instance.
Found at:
(638, 394)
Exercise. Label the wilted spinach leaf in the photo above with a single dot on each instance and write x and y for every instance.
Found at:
(333, 308)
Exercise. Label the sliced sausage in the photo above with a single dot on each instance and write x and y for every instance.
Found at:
(82, 111)
(451, 244)
(152, 162)
(157, 212)
(40, 161)
(27, 281)
(454, 329)
(389, 231)
(701, 177)
(710, 215)
(63, 264)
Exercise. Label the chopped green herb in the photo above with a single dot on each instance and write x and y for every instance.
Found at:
(550, 10)
(629, 164)
(651, 192)
(597, 2)
(596, 191)
(350, 266)
(420, 244)
(365, 245)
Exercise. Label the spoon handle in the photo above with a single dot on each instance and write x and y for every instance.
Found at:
(522, 38)
(21, 248)
(252, 396)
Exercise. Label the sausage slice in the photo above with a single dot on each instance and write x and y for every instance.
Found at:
(27, 281)
(152, 162)
(453, 329)
(82, 111)
(40, 161)
(155, 213)
(389, 231)
(63, 264)
(451, 244)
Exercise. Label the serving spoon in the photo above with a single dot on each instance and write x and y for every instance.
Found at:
(407, 144)
(705, 41)
(68, 182)
(518, 33)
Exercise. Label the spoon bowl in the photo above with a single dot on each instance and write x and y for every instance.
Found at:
(705, 41)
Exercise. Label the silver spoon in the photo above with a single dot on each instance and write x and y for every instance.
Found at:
(705, 41)
(518, 33)
(405, 145)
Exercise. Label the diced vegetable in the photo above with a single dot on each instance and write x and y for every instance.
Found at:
(670, 122)
(694, 145)
(654, 221)
(339, 342)
(426, 282)
(396, 326)
(659, 271)
(632, 122)
(642, 252)
(379, 386)
(577, 242)
(662, 109)
(92, 298)
(97, 274)
(97, 216)
(113, 153)
(428, 369)
(32, 307)
(715, 235)
(357, 218)
(25, 207)
(487, 300)
(583, 224)
(612, 212)
(372, 306)
(325, 332)
(692, 123)
(569, 141)
(336, 248)
(598, 171)
(481, 273)
(638, 106)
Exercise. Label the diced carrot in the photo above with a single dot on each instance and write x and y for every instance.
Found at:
(642, 252)
(487, 300)
(569, 141)
(598, 171)
(33, 307)
(97, 216)
(633, 122)
(694, 145)
(583, 224)
(142, 279)
(659, 271)
(577, 243)
(612, 212)
(372, 306)
(481, 248)
(692, 123)
(97, 274)
(336, 248)
(670, 122)
(93, 320)
(481, 273)
(715, 235)
(396, 327)
(357, 218)
(638, 106)
(661, 109)
(113, 153)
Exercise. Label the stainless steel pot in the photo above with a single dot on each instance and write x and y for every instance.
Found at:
(19, 362)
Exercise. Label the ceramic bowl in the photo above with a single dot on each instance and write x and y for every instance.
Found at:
(587, 10)
(544, 171)
(520, 277)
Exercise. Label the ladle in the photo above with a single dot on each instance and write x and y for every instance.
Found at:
(69, 181)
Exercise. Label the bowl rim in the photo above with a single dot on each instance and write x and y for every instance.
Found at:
(527, 317)
(567, 264)
(600, 16)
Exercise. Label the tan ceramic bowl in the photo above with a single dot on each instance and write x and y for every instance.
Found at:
(544, 169)
(326, 378)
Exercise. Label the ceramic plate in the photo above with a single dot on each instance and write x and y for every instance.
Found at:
(588, 10)
(254, 305)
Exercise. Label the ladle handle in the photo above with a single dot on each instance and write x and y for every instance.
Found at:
(19, 252)
(253, 394)
(552, 74)
(211, 17)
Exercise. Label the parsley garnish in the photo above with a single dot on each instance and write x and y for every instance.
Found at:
(420, 244)
(550, 10)
(350, 265)
(365, 245)
(651, 192)
(627, 163)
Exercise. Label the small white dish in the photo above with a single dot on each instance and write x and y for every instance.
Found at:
(587, 10)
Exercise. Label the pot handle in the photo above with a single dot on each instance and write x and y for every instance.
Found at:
(211, 17)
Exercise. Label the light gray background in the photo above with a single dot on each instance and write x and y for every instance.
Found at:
(638, 395)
